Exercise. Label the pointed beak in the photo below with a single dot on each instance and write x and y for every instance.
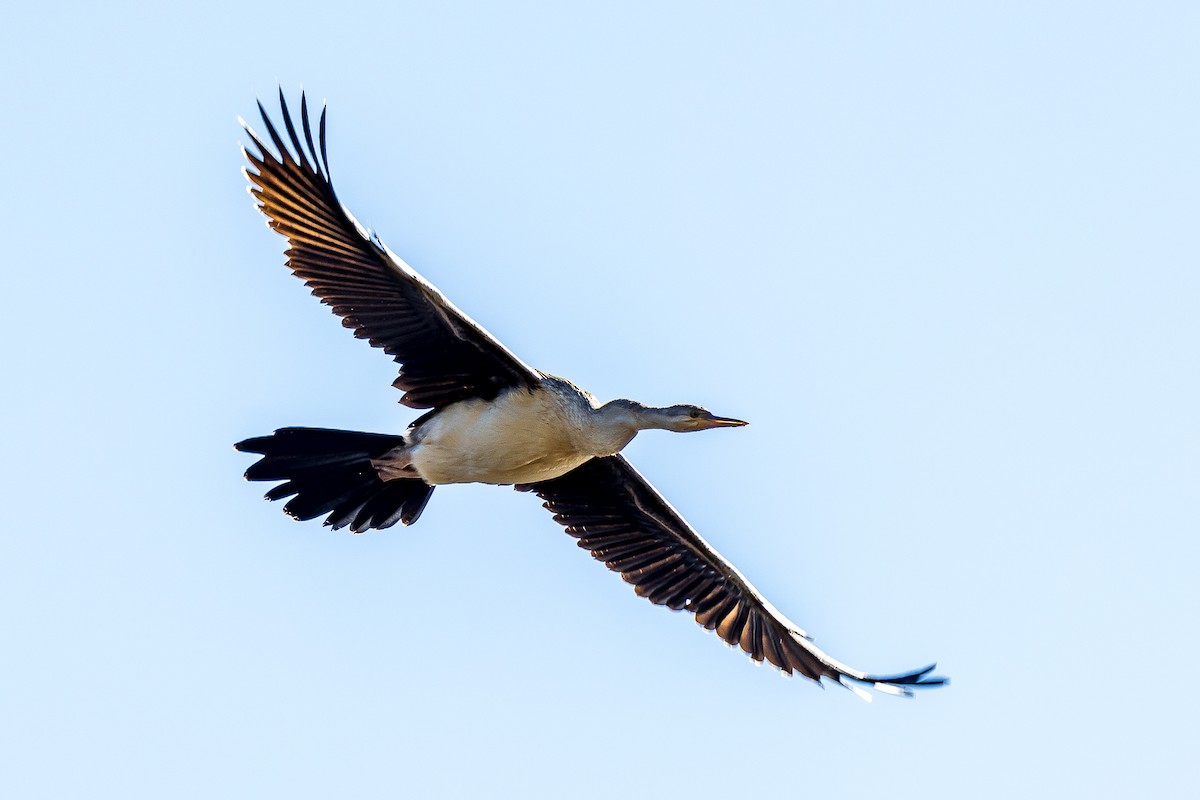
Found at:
(721, 422)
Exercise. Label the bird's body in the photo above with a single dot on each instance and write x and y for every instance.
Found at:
(527, 435)
(493, 420)
(522, 436)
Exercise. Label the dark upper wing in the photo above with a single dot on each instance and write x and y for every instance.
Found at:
(444, 355)
(625, 523)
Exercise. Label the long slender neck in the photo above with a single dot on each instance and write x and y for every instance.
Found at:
(615, 423)
(633, 416)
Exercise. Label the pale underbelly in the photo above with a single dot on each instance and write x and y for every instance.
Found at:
(439, 466)
(519, 438)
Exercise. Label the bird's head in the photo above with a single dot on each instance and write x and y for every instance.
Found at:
(685, 418)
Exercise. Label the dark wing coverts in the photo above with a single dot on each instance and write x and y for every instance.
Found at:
(624, 522)
(444, 355)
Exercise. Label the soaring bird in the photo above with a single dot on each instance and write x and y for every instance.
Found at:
(492, 419)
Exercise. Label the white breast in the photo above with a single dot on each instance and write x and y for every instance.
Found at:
(520, 437)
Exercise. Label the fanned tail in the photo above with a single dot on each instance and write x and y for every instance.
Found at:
(330, 472)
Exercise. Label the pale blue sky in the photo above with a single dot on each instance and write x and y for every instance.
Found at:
(943, 257)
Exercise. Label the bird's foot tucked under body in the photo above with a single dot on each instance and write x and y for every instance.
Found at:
(395, 464)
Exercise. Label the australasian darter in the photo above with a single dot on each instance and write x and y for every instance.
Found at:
(493, 419)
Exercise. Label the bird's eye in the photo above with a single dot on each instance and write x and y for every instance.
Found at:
(694, 413)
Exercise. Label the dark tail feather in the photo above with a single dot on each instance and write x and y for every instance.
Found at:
(330, 472)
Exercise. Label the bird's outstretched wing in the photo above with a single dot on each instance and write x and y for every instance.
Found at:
(444, 355)
(624, 522)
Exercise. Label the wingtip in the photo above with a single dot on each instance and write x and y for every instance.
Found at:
(900, 685)
(917, 679)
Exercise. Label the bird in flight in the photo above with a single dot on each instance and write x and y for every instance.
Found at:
(492, 419)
